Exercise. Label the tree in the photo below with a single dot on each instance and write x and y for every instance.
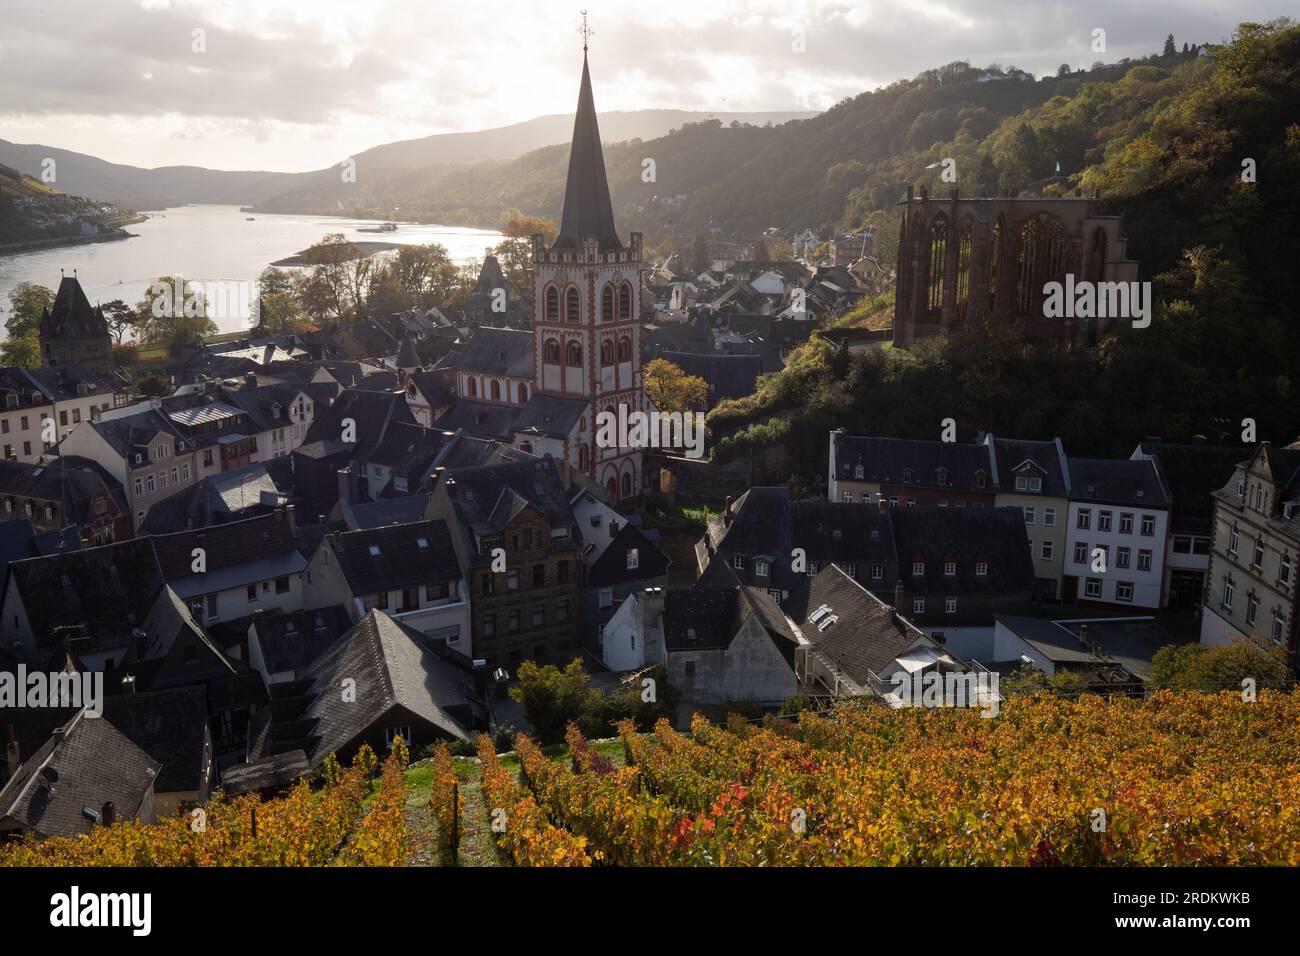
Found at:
(1197, 667)
(1169, 49)
(28, 300)
(23, 350)
(701, 255)
(426, 273)
(553, 697)
(119, 317)
(671, 389)
(331, 278)
(173, 315)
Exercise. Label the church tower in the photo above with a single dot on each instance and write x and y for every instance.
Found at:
(586, 310)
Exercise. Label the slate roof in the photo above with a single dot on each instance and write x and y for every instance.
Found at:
(89, 764)
(708, 619)
(1118, 482)
(131, 434)
(401, 560)
(885, 460)
(1193, 474)
(268, 773)
(62, 381)
(1010, 453)
(223, 497)
(296, 640)
(227, 545)
(391, 668)
(407, 356)
(72, 315)
(408, 448)
(372, 412)
(866, 633)
(495, 351)
(433, 385)
(967, 536)
(551, 415)
(587, 213)
(482, 419)
(386, 511)
(485, 497)
(99, 592)
(168, 725)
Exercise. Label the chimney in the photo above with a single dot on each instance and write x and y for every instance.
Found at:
(108, 814)
(727, 514)
(292, 518)
(1083, 635)
(12, 756)
(898, 596)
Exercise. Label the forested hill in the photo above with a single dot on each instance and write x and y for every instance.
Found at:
(1007, 131)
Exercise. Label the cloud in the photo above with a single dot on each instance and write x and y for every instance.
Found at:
(288, 85)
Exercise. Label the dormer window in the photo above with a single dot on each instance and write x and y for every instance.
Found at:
(761, 568)
(941, 477)
(918, 567)
(950, 568)
(738, 562)
(858, 472)
(634, 559)
(981, 568)
(907, 474)
(979, 479)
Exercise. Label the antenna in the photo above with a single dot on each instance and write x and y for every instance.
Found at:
(585, 31)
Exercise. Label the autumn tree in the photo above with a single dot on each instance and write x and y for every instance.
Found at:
(671, 389)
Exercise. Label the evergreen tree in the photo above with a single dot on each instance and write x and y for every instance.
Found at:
(1170, 49)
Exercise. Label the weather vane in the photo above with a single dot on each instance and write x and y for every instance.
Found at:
(584, 31)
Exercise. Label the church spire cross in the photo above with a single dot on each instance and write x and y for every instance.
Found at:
(585, 31)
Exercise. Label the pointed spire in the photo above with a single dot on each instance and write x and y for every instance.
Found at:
(588, 213)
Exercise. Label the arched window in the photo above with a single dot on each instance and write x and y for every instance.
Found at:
(627, 484)
(607, 303)
(995, 261)
(495, 390)
(582, 457)
(523, 393)
(551, 352)
(574, 355)
(473, 387)
(612, 487)
(938, 264)
(552, 304)
(607, 352)
(1027, 265)
(572, 312)
(1097, 257)
(625, 349)
(625, 302)
(964, 237)
(1057, 246)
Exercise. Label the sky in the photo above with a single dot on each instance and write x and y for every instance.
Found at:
(291, 86)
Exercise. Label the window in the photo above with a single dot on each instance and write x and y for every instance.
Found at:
(1144, 559)
(688, 670)
(207, 458)
(950, 605)
(1083, 520)
(539, 616)
(1125, 523)
(738, 562)
(282, 585)
(979, 479)
(1277, 624)
(634, 562)
(1122, 556)
(1092, 587)
(1284, 570)
(1252, 607)
(390, 733)
(1022, 483)
(1047, 551)
(185, 472)
(943, 502)
(918, 605)
(1103, 520)
(562, 611)
(1233, 538)
(1257, 558)
(512, 580)
(539, 575)
(63, 417)
(512, 622)
(1029, 515)
(1049, 517)
(848, 496)
(562, 572)
(1123, 590)
(950, 569)
(151, 483)
(1081, 552)
(572, 311)
(877, 572)
(1148, 525)
(139, 486)
(981, 569)
(1035, 484)
(918, 567)
(911, 502)
(550, 352)
(1228, 589)
(851, 570)
(212, 605)
(760, 566)
(489, 627)
(252, 593)
(488, 584)
(858, 472)
(27, 448)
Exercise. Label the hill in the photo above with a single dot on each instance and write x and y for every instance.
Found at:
(33, 211)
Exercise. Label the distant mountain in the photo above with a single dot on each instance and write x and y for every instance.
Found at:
(79, 174)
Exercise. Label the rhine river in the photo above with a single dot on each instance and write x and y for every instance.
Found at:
(209, 243)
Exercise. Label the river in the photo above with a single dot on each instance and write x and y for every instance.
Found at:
(209, 243)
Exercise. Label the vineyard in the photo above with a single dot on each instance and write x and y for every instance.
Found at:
(1178, 779)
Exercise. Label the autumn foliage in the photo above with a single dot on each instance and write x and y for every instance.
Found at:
(521, 828)
(444, 798)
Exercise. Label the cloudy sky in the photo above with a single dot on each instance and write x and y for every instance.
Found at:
(299, 85)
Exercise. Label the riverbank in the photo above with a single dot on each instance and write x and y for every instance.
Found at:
(35, 245)
(365, 247)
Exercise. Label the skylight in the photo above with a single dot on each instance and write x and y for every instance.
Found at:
(374, 550)
(422, 542)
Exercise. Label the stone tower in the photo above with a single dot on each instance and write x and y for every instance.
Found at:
(586, 308)
(73, 333)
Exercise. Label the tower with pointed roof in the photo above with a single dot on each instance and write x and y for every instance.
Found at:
(74, 333)
(586, 308)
